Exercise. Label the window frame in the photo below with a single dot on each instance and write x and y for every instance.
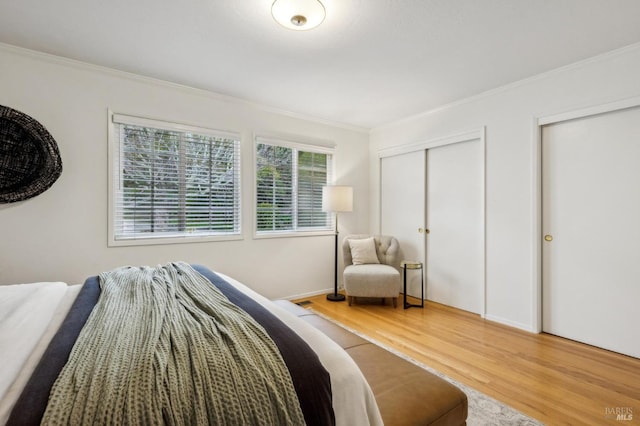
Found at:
(114, 154)
(306, 146)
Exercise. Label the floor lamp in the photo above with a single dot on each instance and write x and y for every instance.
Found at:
(335, 199)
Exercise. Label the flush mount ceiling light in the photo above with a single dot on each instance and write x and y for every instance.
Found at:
(298, 14)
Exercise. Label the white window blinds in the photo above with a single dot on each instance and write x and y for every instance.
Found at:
(174, 181)
(289, 181)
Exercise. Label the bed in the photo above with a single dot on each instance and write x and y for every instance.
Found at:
(35, 349)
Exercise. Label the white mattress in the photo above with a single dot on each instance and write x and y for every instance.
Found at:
(353, 400)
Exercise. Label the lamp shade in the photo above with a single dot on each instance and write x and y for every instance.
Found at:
(337, 198)
(298, 14)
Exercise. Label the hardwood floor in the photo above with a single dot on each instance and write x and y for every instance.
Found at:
(554, 380)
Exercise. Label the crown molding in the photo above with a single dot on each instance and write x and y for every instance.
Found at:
(528, 80)
(74, 63)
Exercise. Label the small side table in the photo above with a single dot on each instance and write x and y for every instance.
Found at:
(407, 265)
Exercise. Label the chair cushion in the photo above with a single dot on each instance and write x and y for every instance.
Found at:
(371, 281)
(363, 251)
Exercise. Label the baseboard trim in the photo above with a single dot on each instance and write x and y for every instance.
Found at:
(514, 324)
(310, 294)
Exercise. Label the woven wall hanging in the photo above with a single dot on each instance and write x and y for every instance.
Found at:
(29, 158)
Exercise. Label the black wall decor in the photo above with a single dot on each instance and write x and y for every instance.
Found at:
(29, 158)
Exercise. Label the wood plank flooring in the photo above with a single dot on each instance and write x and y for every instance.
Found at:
(554, 380)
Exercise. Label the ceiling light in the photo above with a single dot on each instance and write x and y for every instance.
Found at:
(298, 14)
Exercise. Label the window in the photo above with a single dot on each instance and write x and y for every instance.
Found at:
(173, 181)
(289, 181)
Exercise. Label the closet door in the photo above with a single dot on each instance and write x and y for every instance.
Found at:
(591, 230)
(455, 219)
(402, 214)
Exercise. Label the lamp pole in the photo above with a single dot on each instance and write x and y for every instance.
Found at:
(335, 296)
(335, 199)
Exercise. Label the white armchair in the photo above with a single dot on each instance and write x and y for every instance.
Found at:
(370, 267)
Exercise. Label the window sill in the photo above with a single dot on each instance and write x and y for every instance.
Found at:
(187, 239)
(292, 234)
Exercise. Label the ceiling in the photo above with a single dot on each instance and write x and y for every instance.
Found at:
(370, 63)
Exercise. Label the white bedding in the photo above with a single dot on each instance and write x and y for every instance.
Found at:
(30, 314)
(353, 400)
(25, 311)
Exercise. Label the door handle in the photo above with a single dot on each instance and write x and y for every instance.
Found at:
(421, 230)
(548, 237)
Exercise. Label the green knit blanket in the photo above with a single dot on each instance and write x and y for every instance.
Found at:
(165, 346)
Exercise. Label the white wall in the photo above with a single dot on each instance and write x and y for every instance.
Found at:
(61, 235)
(512, 198)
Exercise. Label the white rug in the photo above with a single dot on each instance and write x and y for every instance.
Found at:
(483, 410)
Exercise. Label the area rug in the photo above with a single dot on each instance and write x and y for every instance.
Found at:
(483, 410)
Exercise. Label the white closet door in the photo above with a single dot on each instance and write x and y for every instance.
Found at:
(455, 219)
(591, 215)
(402, 207)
